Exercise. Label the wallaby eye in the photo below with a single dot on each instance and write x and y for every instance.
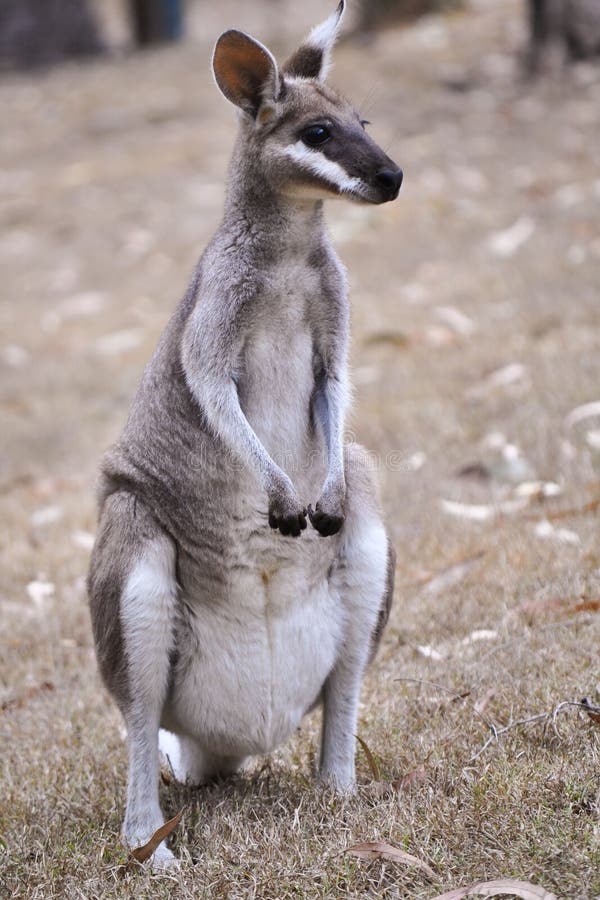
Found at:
(364, 122)
(315, 135)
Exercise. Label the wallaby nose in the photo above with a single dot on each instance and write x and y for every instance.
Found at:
(389, 181)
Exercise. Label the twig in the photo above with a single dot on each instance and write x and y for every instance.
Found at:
(487, 722)
(547, 717)
(557, 515)
(497, 732)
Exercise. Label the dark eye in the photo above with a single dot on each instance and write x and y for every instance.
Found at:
(364, 122)
(315, 135)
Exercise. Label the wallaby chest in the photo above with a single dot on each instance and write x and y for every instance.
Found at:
(276, 366)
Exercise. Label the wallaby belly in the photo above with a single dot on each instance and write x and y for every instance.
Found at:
(253, 660)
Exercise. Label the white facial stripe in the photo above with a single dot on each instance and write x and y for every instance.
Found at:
(314, 162)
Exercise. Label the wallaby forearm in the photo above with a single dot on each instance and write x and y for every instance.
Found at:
(209, 373)
(330, 405)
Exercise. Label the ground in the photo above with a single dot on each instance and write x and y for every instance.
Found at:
(475, 336)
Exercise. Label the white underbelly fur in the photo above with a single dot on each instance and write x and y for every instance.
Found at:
(258, 664)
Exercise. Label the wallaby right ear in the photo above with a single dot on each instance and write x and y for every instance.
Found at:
(245, 71)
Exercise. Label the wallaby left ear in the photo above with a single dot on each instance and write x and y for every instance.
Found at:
(245, 71)
(312, 58)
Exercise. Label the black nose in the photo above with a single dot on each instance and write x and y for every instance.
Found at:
(389, 181)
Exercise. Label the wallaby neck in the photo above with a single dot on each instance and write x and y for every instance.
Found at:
(262, 217)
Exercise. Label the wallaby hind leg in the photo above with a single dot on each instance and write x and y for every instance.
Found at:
(363, 578)
(133, 596)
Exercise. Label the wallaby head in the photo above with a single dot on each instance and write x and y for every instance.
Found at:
(299, 137)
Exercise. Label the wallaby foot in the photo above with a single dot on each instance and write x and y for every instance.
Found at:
(196, 767)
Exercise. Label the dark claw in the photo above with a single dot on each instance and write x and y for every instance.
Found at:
(290, 525)
(325, 524)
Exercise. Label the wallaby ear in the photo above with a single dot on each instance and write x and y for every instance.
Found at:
(245, 71)
(312, 58)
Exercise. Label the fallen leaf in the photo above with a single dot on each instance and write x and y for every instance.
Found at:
(47, 515)
(40, 591)
(482, 512)
(534, 609)
(506, 243)
(503, 887)
(547, 530)
(481, 634)
(391, 338)
(587, 606)
(372, 762)
(451, 575)
(82, 539)
(141, 854)
(428, 652)
(593, 438)
(410, 780)
(589, 507)
(381, 850)
(481, 705)
(28, 693)
(499, 378)
(539, 490)
(592, 711)
(585, 411)
(119, 342)
(456, 319)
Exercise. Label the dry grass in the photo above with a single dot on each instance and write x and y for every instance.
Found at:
(113, 183)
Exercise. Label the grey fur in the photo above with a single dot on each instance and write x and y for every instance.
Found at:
(237, 426)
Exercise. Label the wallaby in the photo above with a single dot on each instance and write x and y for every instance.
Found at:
(213, 618)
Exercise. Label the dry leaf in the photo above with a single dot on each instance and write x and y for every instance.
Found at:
(372, 762)
(592, 711)
(480, 634)
(381, 850)
(411, 779)
(545, 529)
(451, 575)
(587, 606)
(457, 320)
(391, 338)
(502, 888)
(428, 652)
(481, 705)
(535, 609)
(119, 342)
(481, 512)
(28, 694)
(141, 854)
(585, 411)
(505, 244)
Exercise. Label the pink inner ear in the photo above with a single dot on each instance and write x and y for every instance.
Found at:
(241, 68)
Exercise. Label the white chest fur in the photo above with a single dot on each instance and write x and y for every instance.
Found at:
(277, 367)
(254, 665)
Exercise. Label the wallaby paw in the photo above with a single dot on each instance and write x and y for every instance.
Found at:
(164, 860)
(341, 783)
(324, 521)
(288, 515)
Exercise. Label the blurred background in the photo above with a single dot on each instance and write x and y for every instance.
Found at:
(476, 357)
(475, 295)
